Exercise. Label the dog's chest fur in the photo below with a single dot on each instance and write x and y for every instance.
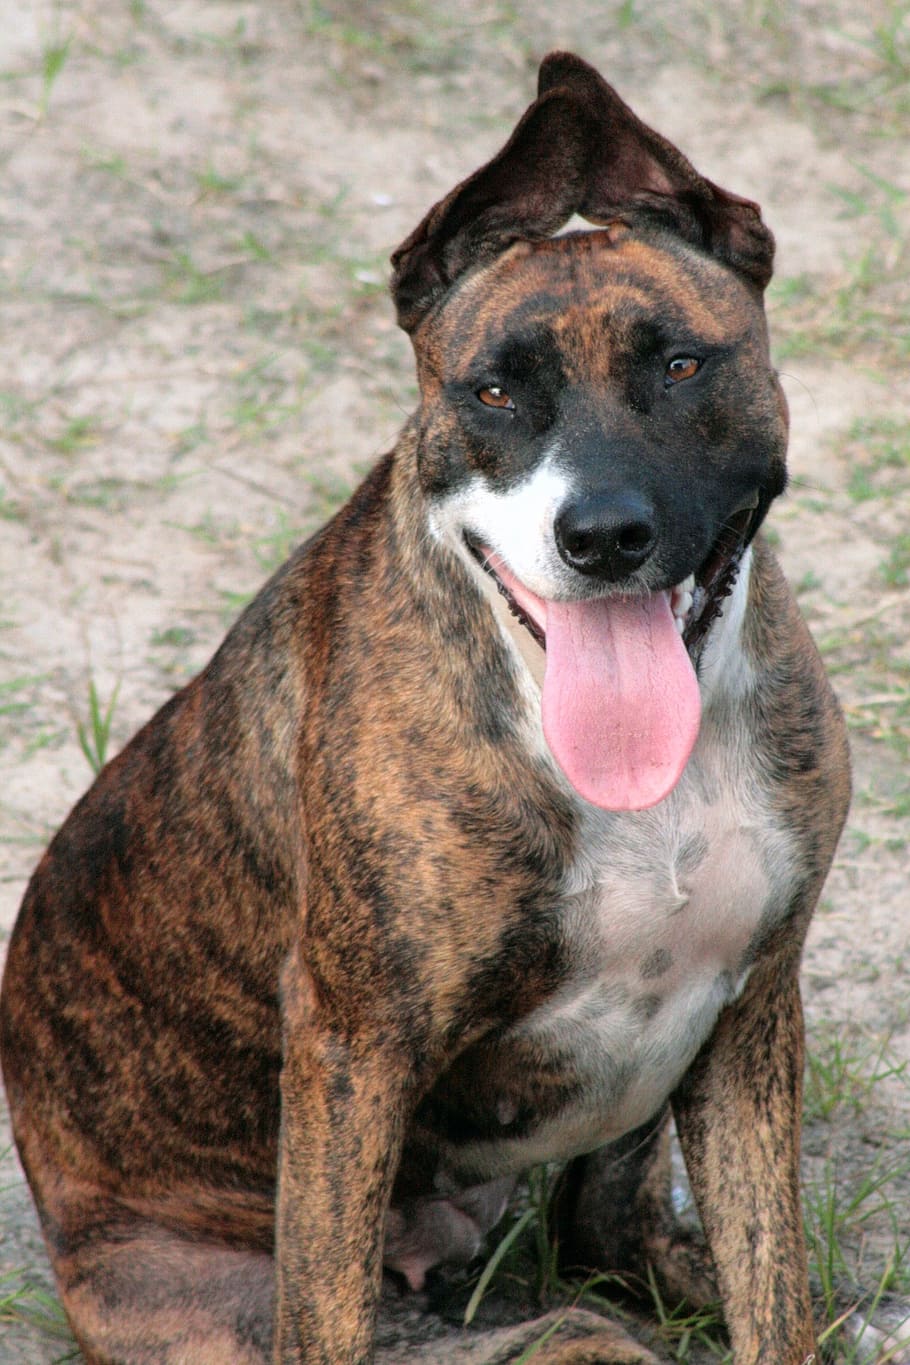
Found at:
(660, 911)
(659, 936)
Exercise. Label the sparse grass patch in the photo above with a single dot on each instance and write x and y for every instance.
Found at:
(863, 308)
(846, 1208)
(255, 247)
(274, 547)
(17, 702)
(498, 1254)
(838, 1210)
(16, 411)
(523, 1262)
(172, 655)
(326, 493)
(10, 508)
(262, 397)
(879, 452)
(191, 437)
(107, 494)
(842, 1069)
(25, 1305)
(681, 1328)
(853, 1208)
(175, 637)
(895, 570)
(867, 656)
(186, 282)
(880, 85)
(212, 182)
(218, 532)
(54, 55)
(77, 433)
(846, 63)
(111, 163)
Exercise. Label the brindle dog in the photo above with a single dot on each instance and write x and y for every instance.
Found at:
(494, 825)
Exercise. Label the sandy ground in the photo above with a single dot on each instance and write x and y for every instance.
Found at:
(197, 204)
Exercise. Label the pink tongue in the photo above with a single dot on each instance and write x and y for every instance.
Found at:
(621, 706)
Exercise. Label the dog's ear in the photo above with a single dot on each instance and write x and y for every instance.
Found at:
(632, 167)
(525, 193)
(578, 149)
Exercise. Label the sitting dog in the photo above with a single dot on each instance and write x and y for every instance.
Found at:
(489, 835)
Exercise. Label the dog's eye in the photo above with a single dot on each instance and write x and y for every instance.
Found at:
(682, 367)
(495, 397)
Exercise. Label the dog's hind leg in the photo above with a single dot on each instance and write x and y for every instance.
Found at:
(613, 1212)
(139, 1294)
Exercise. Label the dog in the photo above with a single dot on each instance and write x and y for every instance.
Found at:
(488, 837)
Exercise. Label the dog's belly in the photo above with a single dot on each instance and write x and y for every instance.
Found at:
(661, 913)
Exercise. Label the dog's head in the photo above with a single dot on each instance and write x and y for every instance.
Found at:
(600, 425)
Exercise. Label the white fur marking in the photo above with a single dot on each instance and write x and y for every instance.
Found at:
(517, 524)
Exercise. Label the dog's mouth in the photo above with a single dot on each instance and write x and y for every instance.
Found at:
(717, 576)
(620, 699)
(695, 603)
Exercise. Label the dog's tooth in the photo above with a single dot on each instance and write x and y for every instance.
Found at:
(680, 624)
(681, 598)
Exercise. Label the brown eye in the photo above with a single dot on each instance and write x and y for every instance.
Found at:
(682, 367)
(495, 397)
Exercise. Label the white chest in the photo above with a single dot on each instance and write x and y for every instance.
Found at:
(660, 910)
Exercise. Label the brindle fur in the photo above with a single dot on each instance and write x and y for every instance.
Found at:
(262, 977)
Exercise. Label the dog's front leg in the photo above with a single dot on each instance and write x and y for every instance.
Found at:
(342, 1098)
(738, 1116)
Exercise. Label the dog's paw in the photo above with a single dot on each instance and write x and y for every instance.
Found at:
(882, 1335)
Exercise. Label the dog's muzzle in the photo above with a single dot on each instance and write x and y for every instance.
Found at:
(620, 703)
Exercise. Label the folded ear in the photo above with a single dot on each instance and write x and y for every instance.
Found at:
(634, 167)
(577, 149)
(525, 193)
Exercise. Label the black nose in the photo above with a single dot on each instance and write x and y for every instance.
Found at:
(606, 534)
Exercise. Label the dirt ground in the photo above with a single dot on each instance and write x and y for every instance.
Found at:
(197, 203)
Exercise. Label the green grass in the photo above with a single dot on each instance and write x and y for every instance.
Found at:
(211, 181)
(11, 703)
(78, 433)
(53, 59)
(187, 283)
(497, 1256)
(843, 1069)
(275, 546)
(680, 1328)
(22, 1304)
(838, 1212)
(895, 570)
(878, 454)
(95, 733)
(175, 637)
(858, 1249)
(215, 531)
